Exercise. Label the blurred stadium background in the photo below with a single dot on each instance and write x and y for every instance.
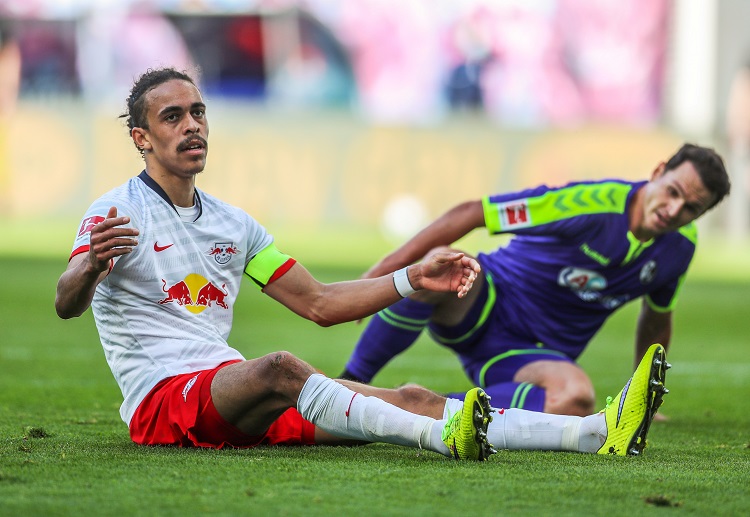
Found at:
(372, 116)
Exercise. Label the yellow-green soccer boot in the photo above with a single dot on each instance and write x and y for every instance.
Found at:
(465, 433)
(629, 415)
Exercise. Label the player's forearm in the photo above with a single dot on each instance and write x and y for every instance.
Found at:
(444, 231)
(75, 291)
(353, 300)
(653, 327)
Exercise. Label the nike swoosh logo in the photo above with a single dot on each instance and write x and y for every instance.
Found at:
(622, 401)
(158, 248)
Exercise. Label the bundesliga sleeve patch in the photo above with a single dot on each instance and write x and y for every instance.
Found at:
(507, 216)
(89, 223)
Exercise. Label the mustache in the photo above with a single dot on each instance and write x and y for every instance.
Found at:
(191, 141)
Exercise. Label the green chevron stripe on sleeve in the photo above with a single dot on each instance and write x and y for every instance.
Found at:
(556, 205)
(578, 200)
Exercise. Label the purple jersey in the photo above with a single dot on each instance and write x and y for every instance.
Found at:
(573, 261)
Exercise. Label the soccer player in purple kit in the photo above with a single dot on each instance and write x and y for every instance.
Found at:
(578, 253)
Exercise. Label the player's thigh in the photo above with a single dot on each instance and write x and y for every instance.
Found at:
(449, 308)
(452, 310)
(568, 388)
(252, 394)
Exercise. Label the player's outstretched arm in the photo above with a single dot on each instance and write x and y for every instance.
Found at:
(443, 231)
(329, 304)
(652, 327)
(76, 287)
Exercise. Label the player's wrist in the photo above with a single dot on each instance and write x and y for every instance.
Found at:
(402, 283)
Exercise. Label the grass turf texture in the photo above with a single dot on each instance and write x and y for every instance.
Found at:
(64, 449)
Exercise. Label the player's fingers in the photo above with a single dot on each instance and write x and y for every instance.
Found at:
(103, 248)
(105, 257)
(115, 222)
(465, 287)
(471, 263)
(102, 243)
(444, 257)
(112, 221)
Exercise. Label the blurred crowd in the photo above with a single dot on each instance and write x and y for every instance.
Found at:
(532, 63)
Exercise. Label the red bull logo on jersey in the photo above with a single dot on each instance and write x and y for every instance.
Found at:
(223, 252)
(195, 293)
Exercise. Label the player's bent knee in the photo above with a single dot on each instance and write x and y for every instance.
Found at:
(415, 396)
(576, 402)
(278, 367)
(418, 399)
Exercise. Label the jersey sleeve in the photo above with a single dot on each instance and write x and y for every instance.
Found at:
(268, 265)
(665, 297)
(524, 211)
(96, 214)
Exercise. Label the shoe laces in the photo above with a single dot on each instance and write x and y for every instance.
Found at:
(609, 401)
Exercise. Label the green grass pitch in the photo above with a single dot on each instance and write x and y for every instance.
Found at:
(65, 451)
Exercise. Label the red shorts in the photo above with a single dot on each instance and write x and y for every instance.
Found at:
(179, 411)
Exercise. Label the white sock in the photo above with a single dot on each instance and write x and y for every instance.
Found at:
(452, 406)
(342, 412)
(593, 433)
(516, 429)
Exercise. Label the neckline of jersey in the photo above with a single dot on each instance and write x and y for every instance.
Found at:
(153, 185)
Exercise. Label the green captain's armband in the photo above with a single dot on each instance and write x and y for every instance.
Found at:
(265, 264)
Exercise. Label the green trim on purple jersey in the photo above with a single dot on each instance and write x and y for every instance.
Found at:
(673, 302)
(486, 311)
(402, 322)
(690, 232)
(511, 353)
(555, 205)
(636, 248)
(519, 396)
(264, 264)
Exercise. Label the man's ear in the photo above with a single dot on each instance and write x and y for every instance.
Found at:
(659, 170)
(140, 137)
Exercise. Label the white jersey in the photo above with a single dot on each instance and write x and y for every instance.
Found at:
(166, 308)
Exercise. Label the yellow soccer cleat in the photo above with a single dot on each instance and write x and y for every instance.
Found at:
(629, 415)
(465, 433)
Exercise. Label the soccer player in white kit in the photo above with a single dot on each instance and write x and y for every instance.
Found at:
(160, 263)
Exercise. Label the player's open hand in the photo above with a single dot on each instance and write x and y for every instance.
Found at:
(447, 271)
(110, 239)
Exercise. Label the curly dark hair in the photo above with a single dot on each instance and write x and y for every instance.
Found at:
(135, 116)
(709, 165)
